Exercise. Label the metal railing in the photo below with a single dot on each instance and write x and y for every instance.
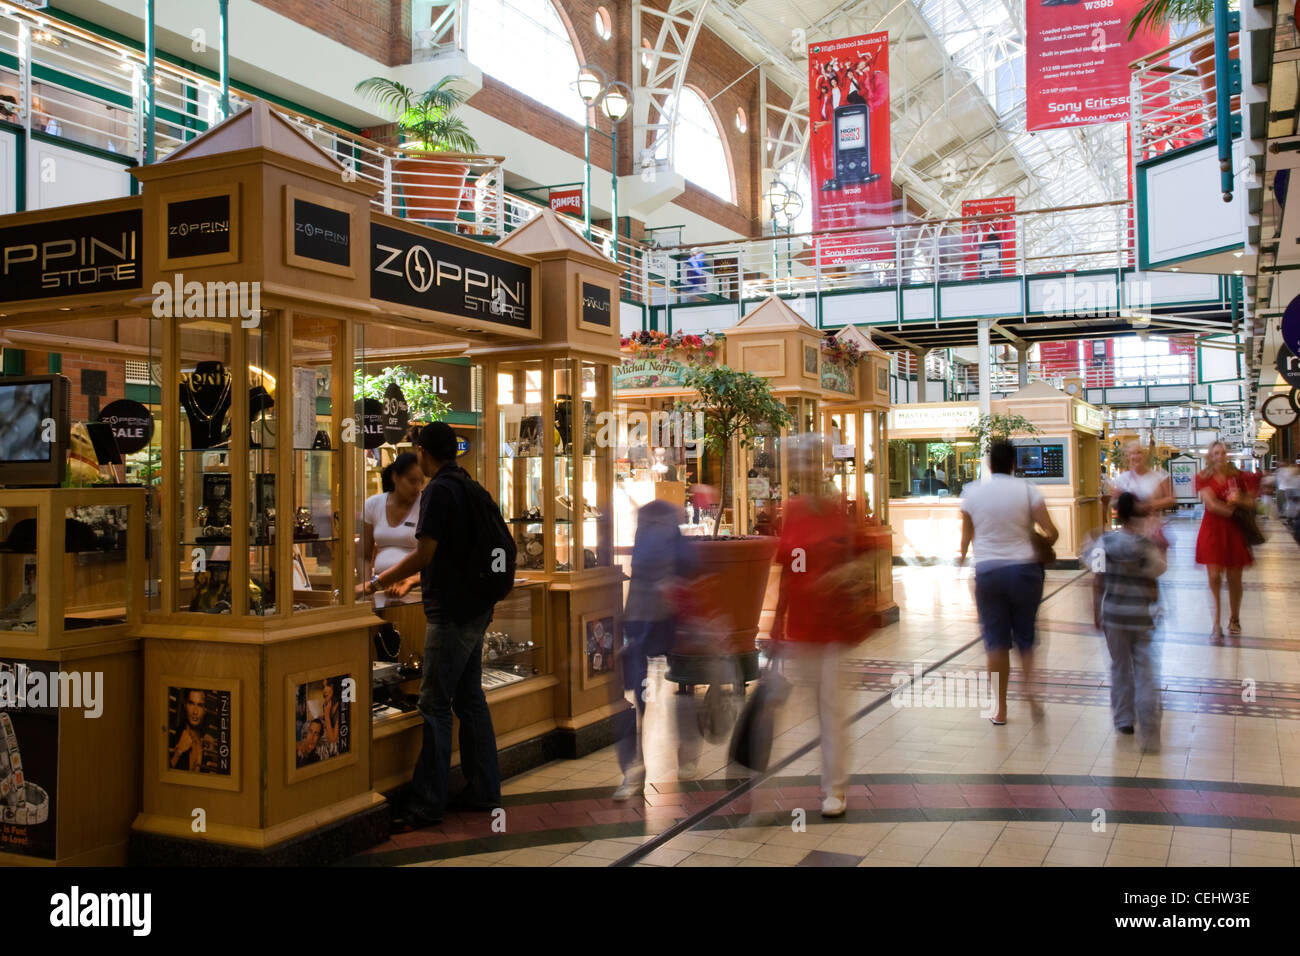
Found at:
(1173, 96)
(1003, 245)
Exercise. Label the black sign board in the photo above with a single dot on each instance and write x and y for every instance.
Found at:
(397, 414)
(1288, 366)
(198, 227)
(451, 381)
(596, 305)
(74, 256)
(131, 423)
(370, 415)
(322, 233)
(423, 273)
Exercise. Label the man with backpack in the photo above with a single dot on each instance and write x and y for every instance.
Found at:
(466, 559)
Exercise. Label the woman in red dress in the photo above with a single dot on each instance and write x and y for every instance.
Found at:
(1221, 546)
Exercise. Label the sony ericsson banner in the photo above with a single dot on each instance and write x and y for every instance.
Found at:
(1077, 57)
(423, 273)
(849, 144)
(74, 256)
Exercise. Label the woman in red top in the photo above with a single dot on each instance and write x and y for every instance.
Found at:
(1220, 545)
(819, 610)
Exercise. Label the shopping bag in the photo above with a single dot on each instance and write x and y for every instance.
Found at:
(751, 742)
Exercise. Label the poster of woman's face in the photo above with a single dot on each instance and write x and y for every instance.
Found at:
(322, 720)
(199, 730)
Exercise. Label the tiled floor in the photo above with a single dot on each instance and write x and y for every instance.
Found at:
(941, 786)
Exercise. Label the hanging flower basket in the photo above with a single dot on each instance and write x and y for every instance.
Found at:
(691, 348)
(845, 354)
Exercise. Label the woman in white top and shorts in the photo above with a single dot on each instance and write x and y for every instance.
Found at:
(999, 518)
(391, 520)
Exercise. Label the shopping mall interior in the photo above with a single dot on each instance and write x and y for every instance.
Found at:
(834, 268)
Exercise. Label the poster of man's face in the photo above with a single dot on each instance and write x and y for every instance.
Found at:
(323, 720)
(199, 730)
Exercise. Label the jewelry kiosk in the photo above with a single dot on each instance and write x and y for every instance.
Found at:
(236, 722)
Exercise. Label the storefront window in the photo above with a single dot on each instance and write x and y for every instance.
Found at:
(920, 468)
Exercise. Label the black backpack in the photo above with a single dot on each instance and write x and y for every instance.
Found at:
(486, 565)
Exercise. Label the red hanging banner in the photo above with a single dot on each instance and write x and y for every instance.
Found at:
(989, 244)
(848, 142)
(1077, 57)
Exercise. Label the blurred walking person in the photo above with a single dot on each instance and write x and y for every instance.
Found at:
(999, 518)
(1125, 594)
(1152, 487)
(820, 609)
(1221, 544)
(660, 561)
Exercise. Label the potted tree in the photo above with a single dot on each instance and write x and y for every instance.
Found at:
(1157, 13)
(432, 176)
(734, 569)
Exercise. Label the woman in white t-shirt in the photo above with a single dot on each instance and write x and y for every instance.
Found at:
(1152, 487)
(391, 520)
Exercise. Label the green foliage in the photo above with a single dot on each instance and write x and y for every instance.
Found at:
(1158, 13)
(428, 119)
(423, 402)
(939, 450)
(736, 406)
(991, 428)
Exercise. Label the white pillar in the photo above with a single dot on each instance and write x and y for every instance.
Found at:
(1022, 364)
(986, 378)
(919, 355)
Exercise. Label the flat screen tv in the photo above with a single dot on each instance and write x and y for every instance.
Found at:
(34, 429)
(1042, 462)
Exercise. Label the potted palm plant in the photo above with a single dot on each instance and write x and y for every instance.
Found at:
(734, 569)
(1154, 14)
(432, 177)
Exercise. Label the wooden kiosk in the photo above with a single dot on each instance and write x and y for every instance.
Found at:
(854, 411)
(776, 342)
(237, 658)
(934, 453)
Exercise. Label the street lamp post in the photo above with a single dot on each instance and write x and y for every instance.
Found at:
(614, 99)
(590, 83)
(615, 102)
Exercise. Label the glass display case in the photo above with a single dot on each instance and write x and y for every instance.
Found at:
(66, 560)
(768, 479)
(266, 537)
(553, 474)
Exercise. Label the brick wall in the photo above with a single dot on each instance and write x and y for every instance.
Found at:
(377, 28)
(37, 363)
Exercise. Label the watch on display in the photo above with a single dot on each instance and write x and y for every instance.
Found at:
(22, 802)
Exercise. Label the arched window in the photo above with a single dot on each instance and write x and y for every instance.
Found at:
(526, 45)
(701, 155)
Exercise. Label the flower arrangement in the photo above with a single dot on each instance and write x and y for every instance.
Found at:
(697, 348)
(845, 354)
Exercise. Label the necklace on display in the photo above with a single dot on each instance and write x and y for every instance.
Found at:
(199, 411)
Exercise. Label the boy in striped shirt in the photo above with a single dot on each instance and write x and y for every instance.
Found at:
(1124, 598)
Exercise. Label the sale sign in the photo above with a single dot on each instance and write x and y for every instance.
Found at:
(1077, 57)
(567, 201)
(989, 244)
(848, 141)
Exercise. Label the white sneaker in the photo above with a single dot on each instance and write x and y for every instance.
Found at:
(629, 788)
(834, 806)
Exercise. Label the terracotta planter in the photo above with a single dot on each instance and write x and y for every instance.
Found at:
(432, 185)
(730, 586)
(1203, 60)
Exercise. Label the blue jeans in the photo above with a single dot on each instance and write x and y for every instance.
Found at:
(1007, 599)
(452, 681)
(642, 641)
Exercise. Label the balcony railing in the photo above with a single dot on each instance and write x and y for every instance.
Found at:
(1173, 96)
